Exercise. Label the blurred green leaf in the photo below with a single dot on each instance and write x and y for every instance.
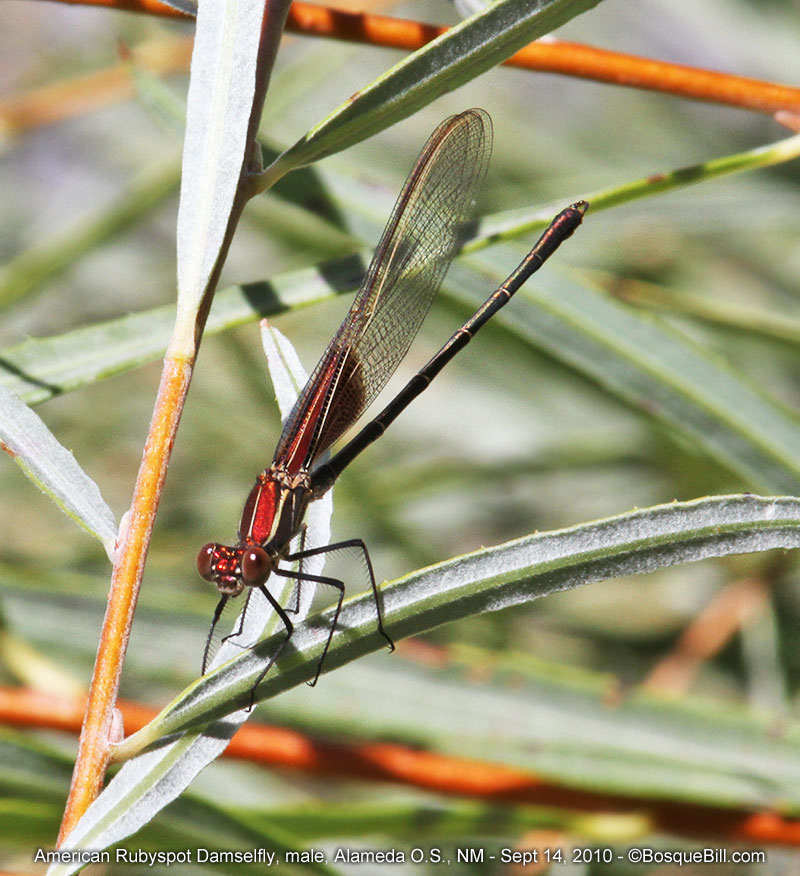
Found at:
(661, 373)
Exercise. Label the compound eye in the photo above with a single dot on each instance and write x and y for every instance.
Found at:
(256, 566)
(204, 562)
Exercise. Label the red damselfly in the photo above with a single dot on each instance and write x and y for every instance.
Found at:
(425, 230)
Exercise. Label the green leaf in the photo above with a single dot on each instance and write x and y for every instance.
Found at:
(464, 52)
(54, 469)
(489, 580)
(512, 223)
(226, 91)
(573, 728)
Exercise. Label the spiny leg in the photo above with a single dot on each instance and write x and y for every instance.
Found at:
(319, 579)
(345, 545)
(300, 555)
(289, 632)
(214, 621)
(279, 610)
(331, 582)
(238, 630)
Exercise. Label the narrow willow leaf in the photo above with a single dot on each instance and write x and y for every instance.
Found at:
(751, 321)
(225, 93)
(40, 368)
(415, 818)
(147, 784)
(512, 223)
(54, 469)
(489, 580)
(288, 378)
(631, 354)
(286, 372)
(187, 6)
(464, 52)
(750, 159)
(141, 789)
(217, 827)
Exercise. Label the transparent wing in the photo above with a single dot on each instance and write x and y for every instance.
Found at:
(415, 250)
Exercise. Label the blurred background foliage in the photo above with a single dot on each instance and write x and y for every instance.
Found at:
(506, 443)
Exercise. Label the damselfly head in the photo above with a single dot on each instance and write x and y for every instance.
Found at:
(233, 568)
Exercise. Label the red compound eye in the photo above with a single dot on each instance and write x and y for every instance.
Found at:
(256, 566)
(204, 560)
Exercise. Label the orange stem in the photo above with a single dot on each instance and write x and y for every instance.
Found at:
(134, 540)
(552, 56)
(381, 762)
(149, 7)
(694, 83)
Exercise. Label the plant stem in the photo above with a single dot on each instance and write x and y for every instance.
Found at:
(553, 56)
(94, 747)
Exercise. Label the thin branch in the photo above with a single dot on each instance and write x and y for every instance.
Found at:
(551, 56)
(93, 750)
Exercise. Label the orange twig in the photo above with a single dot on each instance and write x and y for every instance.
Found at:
(380, 762)
(571, 59)
(134, 540)
(149, 7)
(553, 56)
